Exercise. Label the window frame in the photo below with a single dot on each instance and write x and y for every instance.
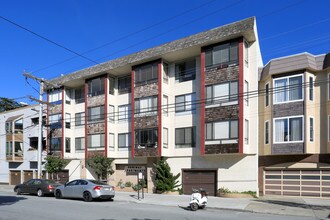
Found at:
(111, 113)
(154, 139)
(229, 45)
(187, 74)
(266, 132)
(267, 97)
(311, 88)
(311, 129)
(214, 101)
(82, 141)
(246, 131)
(143, 71)
(149, 110)
(124, 84)
(82, 117)
(184, 104)
(90, 141)
(230, 137)
(165, 138)
(288, 127)
(126, 112)
(186, 144)
(128, 138)
(93, 83)
(95, 120)
(287, 89)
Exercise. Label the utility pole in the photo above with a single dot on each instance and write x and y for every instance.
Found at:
(42, 83)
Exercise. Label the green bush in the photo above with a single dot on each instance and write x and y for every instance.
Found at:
(128, 184)
(165, 180)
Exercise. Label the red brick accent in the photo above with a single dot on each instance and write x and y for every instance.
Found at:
(63, 122)
(160, 130)
(86, 118)
(132, 113)
(241, 98)
(202, 109)
(106, 107)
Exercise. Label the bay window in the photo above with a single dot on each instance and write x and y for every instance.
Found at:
(226, 53)
(288, 89)
(96, 86)
(147, 73)
(96, 113)
(146, 106)
(146, 137)
(221, 130)
(222, 93)
(55, 96)
(96, 141)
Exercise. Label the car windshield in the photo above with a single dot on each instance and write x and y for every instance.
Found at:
(97, 182)
(50, 181)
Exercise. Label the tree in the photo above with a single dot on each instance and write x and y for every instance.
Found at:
(101, 165)
(165, 180)
(8, 104)
(54, 164)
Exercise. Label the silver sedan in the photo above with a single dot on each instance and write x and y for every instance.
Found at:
(85, 189)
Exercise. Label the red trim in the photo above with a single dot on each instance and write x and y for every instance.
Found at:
(159, 103)
(48, 131)
(106, 107)
(63, 122)
(241, 98)
(202, 111)
(86, 118)
(132, 114)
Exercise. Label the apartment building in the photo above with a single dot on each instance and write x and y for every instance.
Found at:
(19, 144)
(294, 123)
(186, 101)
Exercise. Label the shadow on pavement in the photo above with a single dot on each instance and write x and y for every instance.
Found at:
(9, 200)
(145, 219)
(294, 204)
(187, 208)
(134, 196)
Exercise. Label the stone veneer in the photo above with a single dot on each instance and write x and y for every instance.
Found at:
(221, 113)
(146, 122)
(288, 148)
(96, 128)
(288, 109)
(146, 90)
(216, 75)
(146, 152)
(96, 100)
(221, 148)
(56, 133)
(55, 109)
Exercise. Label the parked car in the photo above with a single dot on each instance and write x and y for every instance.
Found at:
(39, 187)
(85, 189)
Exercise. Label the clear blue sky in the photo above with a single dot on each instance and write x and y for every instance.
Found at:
(285, 27)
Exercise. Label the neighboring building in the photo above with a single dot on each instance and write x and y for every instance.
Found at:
(19, 144)
(294, 126)
(182, 101)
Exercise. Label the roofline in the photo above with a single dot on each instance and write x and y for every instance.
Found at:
(16, 109)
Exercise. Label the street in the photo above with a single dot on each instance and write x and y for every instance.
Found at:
(33, 207)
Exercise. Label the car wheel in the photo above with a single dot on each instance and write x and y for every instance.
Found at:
(58, 194)
(87, 196)
(40, 193)
(18, 191)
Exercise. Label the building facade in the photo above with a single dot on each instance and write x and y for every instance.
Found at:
(186, 101)
(19, 144)
(294, 113)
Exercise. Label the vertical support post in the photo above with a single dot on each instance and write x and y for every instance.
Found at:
(40, 131)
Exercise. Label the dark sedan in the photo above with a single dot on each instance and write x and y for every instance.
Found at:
(39, 187)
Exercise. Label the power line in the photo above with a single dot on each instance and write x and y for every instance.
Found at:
(47, 39)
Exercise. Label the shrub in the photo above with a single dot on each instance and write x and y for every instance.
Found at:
(128, 184)
(165, 180)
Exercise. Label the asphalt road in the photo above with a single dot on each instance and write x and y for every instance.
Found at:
(29, 207)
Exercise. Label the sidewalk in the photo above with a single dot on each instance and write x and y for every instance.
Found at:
(309, 207)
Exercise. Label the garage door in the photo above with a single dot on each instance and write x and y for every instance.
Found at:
(314, 183)
(15, 177)
(28, 175)
(196, 179)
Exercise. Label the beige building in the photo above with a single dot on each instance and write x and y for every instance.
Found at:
(184, 101)
(294, 126)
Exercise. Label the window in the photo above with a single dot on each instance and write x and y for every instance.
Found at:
(185, 102)
(165, 105)
(311, 88)
(124, 112)
(96, 113)
(222, 130)
(267, 132)
(95, 141)
(165, 72)
(35, 121)
(112, 113)
(146, 106)
(111, 141)
(124, 84)
(55, 121)
(267, 95)
(111, 85)
(18, 126)
(165, 137)
(55, 144)
(329, 128)
(79, 95)
(9, 128)
(96, 86)
(185, 137)
(80, 144)
(146, 74)
(311, 129)
(185, 71)
(55, 96)
(246, 53)
(246, 92)
(288, 129)
(222, 54)
(246, 133)
(68, 96)
(146, 137)
(222, 93)
(67, 145)
(80, 119)
(124, 140)
(288, 89)
(67, 120)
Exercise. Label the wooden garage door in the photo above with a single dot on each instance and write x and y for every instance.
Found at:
(28, 175)
(314, 183)
(62, 176)
(15, 177)
(196, 179)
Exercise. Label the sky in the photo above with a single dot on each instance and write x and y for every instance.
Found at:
(102, 30)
